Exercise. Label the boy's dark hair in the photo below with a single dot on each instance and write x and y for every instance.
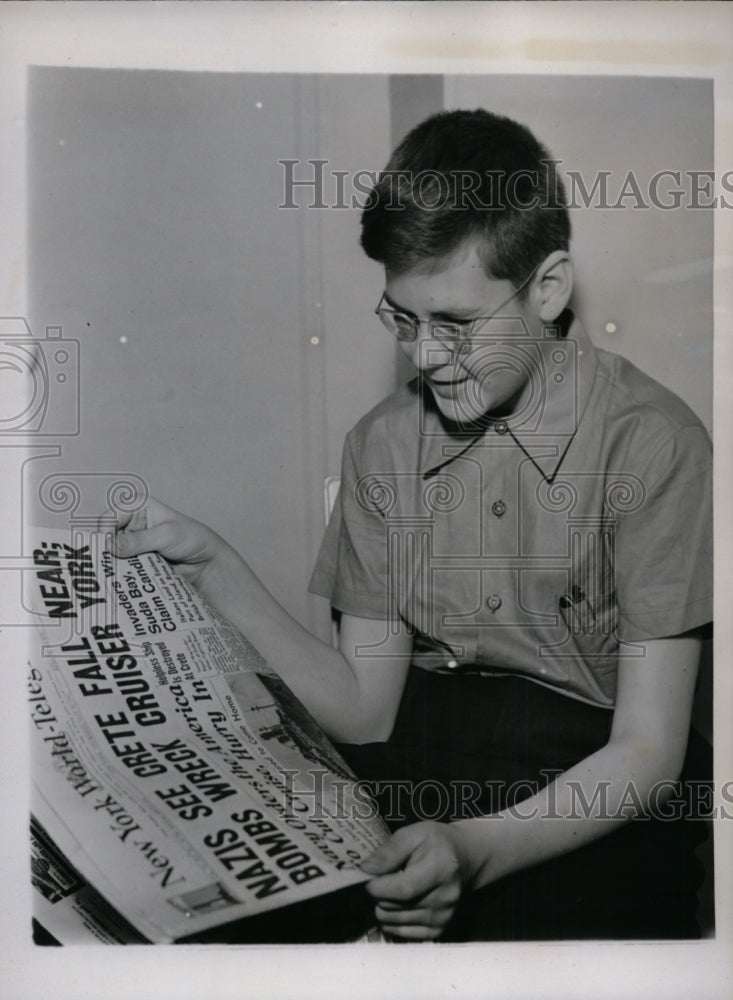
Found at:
(463, 175)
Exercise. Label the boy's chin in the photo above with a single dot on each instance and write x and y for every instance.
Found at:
(460, 413)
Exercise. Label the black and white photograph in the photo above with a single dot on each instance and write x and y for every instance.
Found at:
(364, 533)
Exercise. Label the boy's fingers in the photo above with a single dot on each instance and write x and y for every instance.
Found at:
(395, 852)
(404, 886)
(111, 520)
(414, 932)
(152, 513)
(133, 543)
(423, 915)
(434, 895)
(389, 905)
(411, 863)
(155, 511)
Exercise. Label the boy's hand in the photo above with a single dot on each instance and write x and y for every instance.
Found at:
(188, 544)
(427, 867)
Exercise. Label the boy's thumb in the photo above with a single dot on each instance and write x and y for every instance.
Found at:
(124, 544)
(389, 856)
(133, 543)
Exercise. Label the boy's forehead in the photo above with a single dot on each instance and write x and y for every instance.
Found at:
(458, 278)
(466, 254)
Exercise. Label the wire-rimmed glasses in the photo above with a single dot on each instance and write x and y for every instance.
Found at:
(406, 327)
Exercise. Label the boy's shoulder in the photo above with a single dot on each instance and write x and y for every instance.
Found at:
(643, 420)
(395, 418)
(631, 391)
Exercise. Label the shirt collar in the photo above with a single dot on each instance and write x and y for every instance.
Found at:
(545, 428)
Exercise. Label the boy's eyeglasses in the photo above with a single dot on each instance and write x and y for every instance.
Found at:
(406, 328)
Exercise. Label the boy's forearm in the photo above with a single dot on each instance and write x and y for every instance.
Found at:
(317, 673)
(581, 805)
(645, 753)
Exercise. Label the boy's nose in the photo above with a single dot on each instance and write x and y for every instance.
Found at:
(426, 352)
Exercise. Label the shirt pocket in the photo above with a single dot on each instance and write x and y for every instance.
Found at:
(591, 634)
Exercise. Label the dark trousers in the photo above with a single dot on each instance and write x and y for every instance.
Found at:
(465, 745)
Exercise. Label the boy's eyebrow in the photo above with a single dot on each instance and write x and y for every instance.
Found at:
(467, 314)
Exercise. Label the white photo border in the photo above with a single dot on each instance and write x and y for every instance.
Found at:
(642, 39)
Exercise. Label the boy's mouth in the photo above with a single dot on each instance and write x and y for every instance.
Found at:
(445, 384)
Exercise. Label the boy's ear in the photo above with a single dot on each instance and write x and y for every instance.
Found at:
(553, 285)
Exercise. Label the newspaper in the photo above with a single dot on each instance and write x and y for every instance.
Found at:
(66, 906)
(172, 768)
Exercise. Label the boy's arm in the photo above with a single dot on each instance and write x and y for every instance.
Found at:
(647, 746)
(354, 697)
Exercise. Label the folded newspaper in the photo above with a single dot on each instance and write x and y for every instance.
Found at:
(178, 785)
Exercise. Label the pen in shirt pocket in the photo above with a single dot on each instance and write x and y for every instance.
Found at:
(577, 611)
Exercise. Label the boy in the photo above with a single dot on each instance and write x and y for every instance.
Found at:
(521, 557)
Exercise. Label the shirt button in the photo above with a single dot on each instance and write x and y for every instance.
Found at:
(498, 508)
(501, 427)
(493, 602)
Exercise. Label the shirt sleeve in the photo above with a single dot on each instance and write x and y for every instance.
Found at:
(351, 568)
(663, 543)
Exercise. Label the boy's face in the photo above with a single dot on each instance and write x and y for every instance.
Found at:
(479, 377)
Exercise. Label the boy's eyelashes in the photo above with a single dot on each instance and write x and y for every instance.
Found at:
(438, 317)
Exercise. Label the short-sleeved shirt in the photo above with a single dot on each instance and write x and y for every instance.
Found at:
(546, 544)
